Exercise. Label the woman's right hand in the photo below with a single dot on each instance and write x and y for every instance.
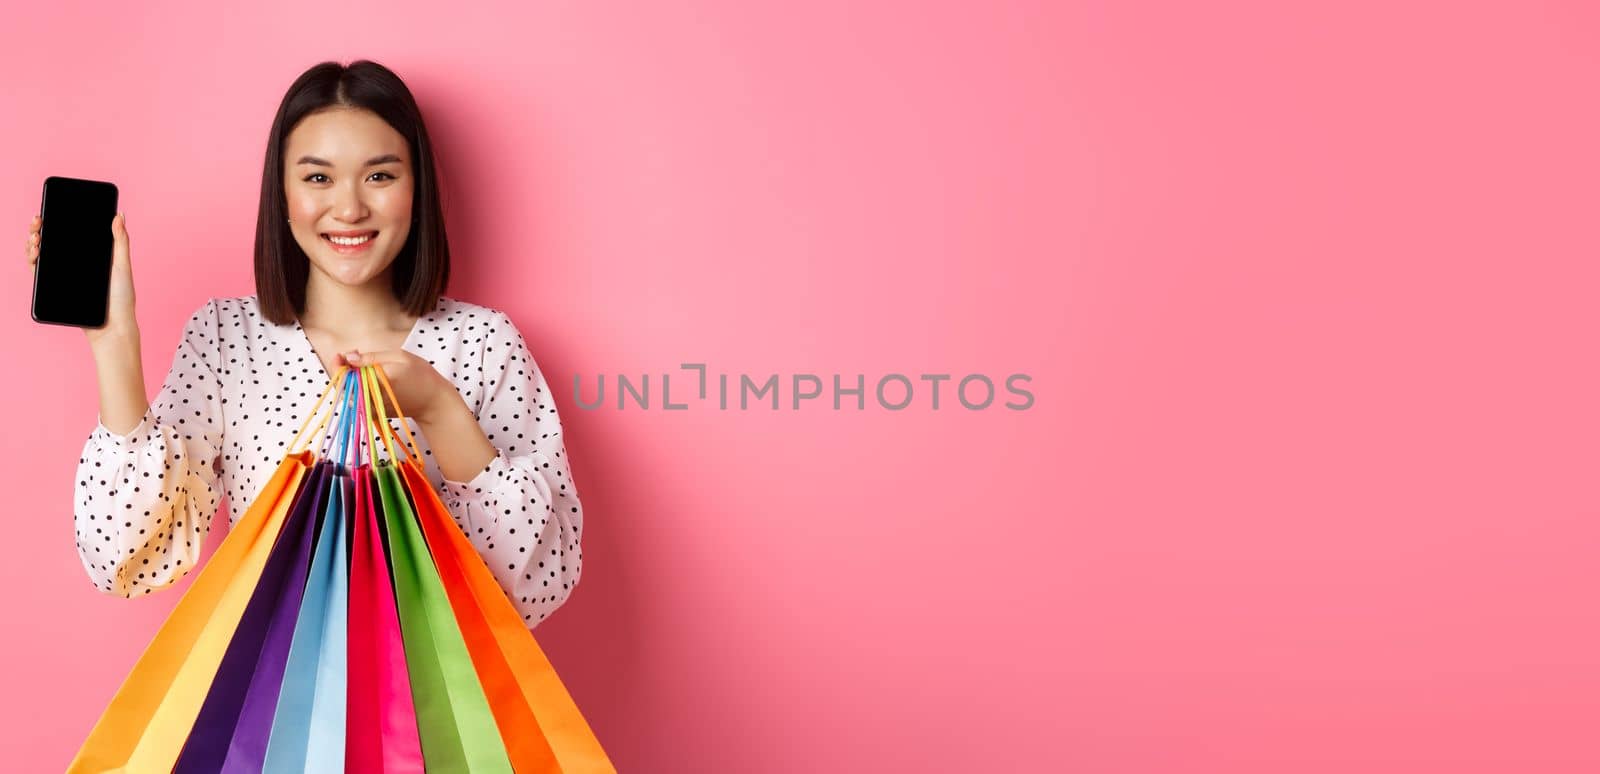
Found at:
(122, 326)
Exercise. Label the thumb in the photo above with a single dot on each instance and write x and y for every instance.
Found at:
(119, 239)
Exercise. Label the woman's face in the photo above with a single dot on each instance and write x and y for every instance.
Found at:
(347, 177)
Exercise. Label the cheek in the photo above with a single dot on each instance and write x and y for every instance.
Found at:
(394, 204)
(303, 208)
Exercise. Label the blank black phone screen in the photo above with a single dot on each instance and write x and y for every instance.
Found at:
(72, 278)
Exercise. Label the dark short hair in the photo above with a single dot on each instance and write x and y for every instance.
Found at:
(421, 271)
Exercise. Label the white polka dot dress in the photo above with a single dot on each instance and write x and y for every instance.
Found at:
(240, 387)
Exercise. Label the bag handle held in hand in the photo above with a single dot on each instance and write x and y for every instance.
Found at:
(375, 376)
(315, 410)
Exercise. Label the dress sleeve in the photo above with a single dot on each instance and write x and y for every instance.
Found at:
(144, 501)
(521, 511)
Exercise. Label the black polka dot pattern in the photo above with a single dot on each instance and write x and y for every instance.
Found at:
(239, 388)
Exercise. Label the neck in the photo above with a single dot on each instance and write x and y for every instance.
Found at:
(353, 311)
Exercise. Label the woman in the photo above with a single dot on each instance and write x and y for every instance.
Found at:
(351, 264)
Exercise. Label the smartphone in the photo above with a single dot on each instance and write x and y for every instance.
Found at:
(72, 278)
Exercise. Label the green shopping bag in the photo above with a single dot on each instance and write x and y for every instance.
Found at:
(455, 724)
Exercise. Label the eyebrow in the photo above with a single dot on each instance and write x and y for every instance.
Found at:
(387, 158)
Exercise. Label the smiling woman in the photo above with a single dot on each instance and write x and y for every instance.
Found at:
(351, 267)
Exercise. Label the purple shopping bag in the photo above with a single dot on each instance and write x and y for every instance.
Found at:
(230, 733)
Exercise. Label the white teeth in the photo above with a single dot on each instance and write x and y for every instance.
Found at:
(338, 240)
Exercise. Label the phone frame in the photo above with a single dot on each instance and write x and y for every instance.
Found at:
(44, 199)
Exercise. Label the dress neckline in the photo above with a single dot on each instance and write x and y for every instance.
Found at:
(407, 345)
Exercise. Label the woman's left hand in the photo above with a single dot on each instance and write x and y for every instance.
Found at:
(420, 389)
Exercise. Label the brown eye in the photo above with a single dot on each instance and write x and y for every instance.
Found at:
(385, 174)
(309, 178)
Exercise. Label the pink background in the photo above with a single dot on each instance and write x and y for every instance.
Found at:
(1307, 296)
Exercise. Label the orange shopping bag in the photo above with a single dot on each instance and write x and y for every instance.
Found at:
(145, 726)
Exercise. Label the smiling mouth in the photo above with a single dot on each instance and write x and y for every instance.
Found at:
(351, 241)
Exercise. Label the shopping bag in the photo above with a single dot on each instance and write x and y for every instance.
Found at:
(362, 633)
(455, 725)
(308, 725)
(453, 719)
(253, 664)
(536, 716)
(147, 722)
(382, 721)
(234, 727)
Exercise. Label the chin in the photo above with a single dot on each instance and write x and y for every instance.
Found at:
(351, 270)
(351, 276)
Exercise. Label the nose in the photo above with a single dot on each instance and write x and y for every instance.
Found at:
(347, 204)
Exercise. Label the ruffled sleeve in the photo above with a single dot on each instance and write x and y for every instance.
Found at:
(144, 501)
(521, 510)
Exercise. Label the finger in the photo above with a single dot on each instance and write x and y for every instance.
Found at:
(382, 357)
